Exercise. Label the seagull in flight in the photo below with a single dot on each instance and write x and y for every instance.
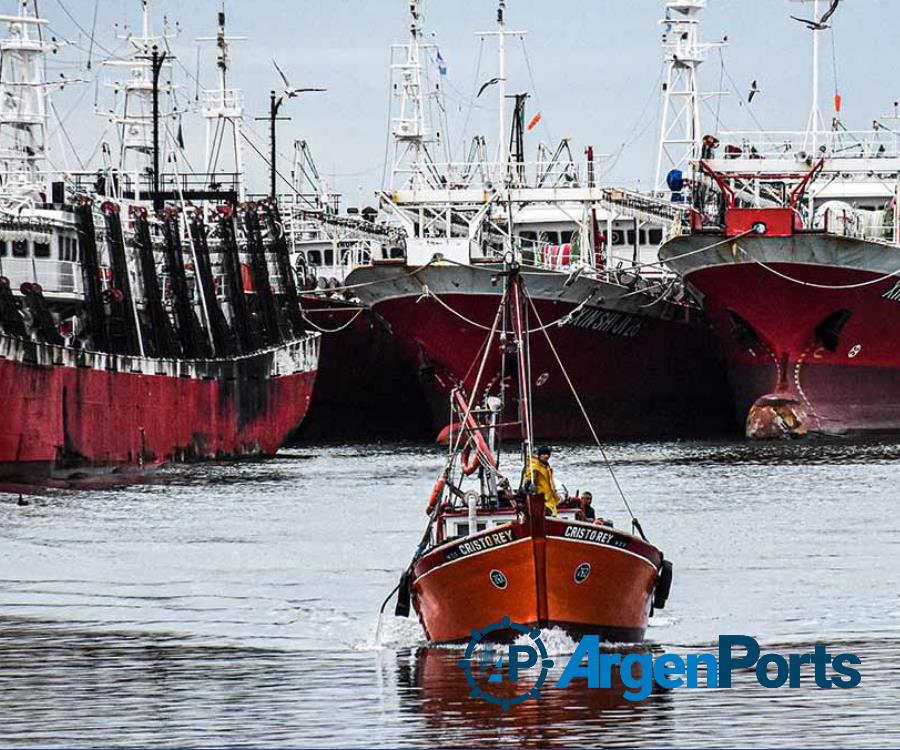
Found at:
(754, 90)
(822, 23)
(485, 85)
(292, 91)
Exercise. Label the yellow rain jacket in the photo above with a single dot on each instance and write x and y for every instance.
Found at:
(544, 484)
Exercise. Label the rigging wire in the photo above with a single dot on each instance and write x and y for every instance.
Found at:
(721, 86)
(93, 33)
(635, 523)
(472, 105)
(537, 98)
(740, 97)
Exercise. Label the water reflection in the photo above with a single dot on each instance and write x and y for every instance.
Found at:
(442, 698)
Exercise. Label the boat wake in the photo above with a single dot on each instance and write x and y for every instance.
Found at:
(392, 633)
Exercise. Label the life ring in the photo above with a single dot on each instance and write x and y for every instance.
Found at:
(436, 493)
(469, 467)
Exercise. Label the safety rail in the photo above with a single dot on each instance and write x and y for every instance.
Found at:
(866, 144)
(490, 175)
(301, 355)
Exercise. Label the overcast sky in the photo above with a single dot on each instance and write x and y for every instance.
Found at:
(596, 68)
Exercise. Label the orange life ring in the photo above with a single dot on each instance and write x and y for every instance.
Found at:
(469, 467)
(436, 493)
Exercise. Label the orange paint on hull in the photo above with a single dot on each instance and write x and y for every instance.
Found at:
(548, 577)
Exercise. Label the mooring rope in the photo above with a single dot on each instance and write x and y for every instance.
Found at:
(813, 285)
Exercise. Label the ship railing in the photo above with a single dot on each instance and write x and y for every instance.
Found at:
(860, 225)
(299, 356)
(489, 176)
(228, 102)
(802, 145)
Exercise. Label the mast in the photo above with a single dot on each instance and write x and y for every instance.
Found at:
(223, 109)
(501, 49)
(138, 119)
(410, 129)
(521, 332)
(816, 123)
(23, 103)
(501, 176)
(679, 139)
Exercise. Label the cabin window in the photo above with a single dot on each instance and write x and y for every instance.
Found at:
(529, 238)
(4, 249)
(62, 247)
(618, 238)
(314, 257)
(551, 238)
(566, 237)
(20, 249)
(329, 257)
(631, 237)
(656, 236)
(41, 249)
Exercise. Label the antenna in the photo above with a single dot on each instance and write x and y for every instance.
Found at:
(223, 109)
(816, 122)
(679, 140)
(502, 176)
(410, 129)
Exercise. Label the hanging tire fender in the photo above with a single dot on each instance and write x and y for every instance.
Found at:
(663, 585)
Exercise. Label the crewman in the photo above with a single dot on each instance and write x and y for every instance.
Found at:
(543, 479)
(586, 508)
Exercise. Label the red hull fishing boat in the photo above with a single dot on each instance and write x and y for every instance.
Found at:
(110, 358)
(791, 240)
(490, 552)
(622, 344)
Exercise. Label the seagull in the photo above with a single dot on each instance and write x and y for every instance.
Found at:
(822, 23)
(754, 90)
(485, 85)
(292, 91)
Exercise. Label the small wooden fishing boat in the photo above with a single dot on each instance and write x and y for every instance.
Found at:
(491, 552)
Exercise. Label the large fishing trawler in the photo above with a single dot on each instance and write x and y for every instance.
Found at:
(640, 354)
(792, 242)
(108, 358)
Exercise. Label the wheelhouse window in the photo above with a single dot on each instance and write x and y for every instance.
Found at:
(20, 249)
(4, 248)
(656, 236)
(41, 249)
(566, 237)
(314, 257)
(551, 238)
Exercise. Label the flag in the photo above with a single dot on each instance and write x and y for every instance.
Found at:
(534, 121)
(838, 101)
(442, 66)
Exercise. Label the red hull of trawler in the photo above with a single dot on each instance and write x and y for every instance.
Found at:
(366, 387)
(638, 375)
(66, 411)
(541, 572)
(812, 343)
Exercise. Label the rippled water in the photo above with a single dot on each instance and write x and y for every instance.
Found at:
(236, 604)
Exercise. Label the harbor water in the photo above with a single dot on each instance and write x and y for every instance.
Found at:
(236, 605)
